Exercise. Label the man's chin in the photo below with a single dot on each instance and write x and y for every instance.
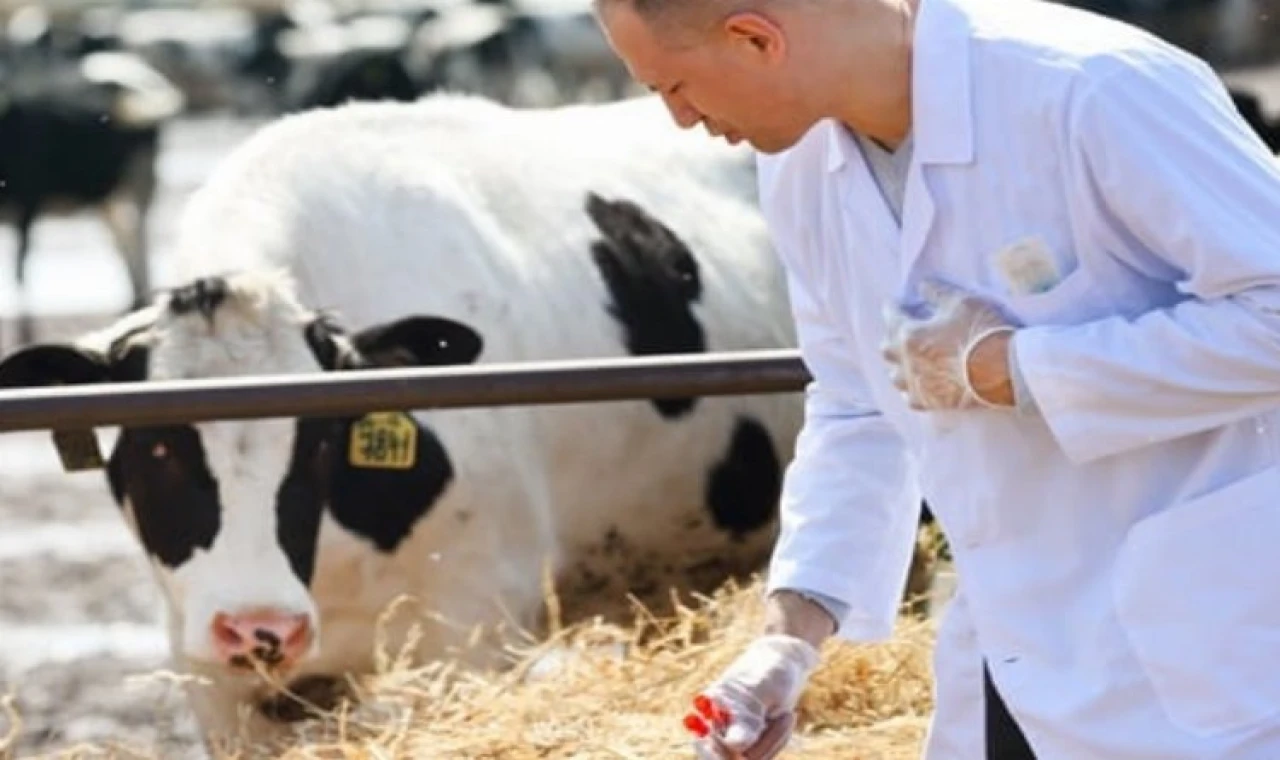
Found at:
(769, 147)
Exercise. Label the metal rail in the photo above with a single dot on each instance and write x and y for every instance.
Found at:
(356, 393)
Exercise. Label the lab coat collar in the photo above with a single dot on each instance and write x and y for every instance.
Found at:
(941, 95)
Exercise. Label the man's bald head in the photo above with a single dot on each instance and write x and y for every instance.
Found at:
(679, 22)
(766, 71)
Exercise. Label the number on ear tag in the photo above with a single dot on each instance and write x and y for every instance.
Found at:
(384, 441)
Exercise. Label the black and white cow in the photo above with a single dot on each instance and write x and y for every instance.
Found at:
(449, 231)
(80, 136)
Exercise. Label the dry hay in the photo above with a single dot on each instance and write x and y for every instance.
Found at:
(596, 690)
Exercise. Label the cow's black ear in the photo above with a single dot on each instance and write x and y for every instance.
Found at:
(419, 341)
(53, 364)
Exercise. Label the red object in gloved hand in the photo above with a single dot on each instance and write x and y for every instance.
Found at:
(696, 726)
(713, 712)
(752, 704)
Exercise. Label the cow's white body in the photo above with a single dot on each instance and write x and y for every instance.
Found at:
(460, 207)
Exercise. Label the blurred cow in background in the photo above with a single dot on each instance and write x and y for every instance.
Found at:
(80, 136)
(1251, 108)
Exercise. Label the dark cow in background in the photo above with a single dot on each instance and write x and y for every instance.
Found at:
(449, 231)
(1251, 108)
(80, 136)
(1226, 33)
(360, 59)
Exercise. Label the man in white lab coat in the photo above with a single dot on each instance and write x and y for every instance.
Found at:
(1034, 259)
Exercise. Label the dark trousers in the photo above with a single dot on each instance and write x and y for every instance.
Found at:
(1004, 739)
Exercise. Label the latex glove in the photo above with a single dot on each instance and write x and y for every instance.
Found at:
(930, 355)
(752, 704)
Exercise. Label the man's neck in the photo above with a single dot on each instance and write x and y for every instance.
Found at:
(884, 114)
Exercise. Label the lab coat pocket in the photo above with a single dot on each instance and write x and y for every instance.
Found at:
(1070, 300)
(1196, 592)
(1041, 286)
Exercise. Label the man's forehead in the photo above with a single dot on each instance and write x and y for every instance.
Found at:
(635, 42)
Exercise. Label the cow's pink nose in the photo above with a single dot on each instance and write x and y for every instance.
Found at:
(273, 639)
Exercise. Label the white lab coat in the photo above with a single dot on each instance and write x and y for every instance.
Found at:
(1118, 554)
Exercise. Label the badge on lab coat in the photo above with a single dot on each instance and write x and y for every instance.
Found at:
(1027, 267)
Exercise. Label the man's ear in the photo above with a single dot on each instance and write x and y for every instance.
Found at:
(762, 34)
(418, 341)
(66, 364)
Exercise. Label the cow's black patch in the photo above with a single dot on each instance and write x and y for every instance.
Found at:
(744, 487)
(163, 472)
(653, 282)
(302, 495)
(380, 504)
(383, 504)
(202, 296)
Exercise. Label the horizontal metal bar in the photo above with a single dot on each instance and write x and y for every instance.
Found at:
(354, 393)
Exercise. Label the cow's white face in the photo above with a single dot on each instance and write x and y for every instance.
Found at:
(229, 512)
(233, 548)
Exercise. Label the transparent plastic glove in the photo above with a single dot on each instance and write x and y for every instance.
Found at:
(768, 746)
(748, 711)
(929, 355)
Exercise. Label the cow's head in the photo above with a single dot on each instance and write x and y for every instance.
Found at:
(229, 512)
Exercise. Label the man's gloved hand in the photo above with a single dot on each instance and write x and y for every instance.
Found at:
(940, 360)
(752, 703)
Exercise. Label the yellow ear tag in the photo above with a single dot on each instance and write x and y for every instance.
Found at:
(384, 441)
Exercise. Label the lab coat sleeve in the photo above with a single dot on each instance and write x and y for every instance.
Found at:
(1192, 197)
(849, 507)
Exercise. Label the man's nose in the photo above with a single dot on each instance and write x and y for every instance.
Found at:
(685, 115)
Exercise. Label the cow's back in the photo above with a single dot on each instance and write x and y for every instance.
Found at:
(464, 208)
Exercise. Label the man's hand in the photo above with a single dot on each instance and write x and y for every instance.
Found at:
(956, 357)
(749, 710)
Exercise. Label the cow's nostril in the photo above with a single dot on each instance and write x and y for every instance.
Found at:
(267, 637)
